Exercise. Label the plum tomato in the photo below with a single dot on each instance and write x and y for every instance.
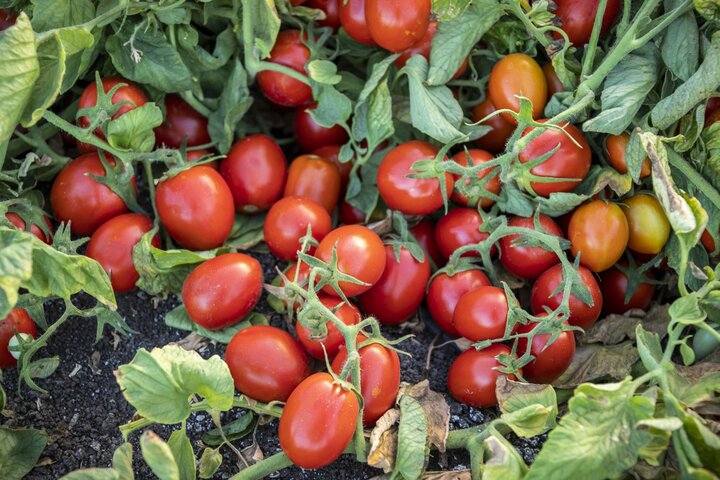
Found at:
(706, 239)
(287, 222)
(570, 160)
(614, 287)
(318, 421)
(18, 223)
(649, 226)
(352, 19)
(578, 17)
(311, 136)
(396, 25)
(350, 215)
(424, 233)
(551, 360)
(18, 321)
(473, 375)
(528, 262)
(460, 227)
(330, 9)
(712, 111)
(182, 123)
(345, 311)
(481, 314)
(315, 178)
(518, 74)
(280, 88)
(598, 233)
(302, 279)
(491, 185)
(553, 81)
(332, 153)
(495, 140)
(581, 314)
(112, 246)
(196, 208)
(78, 198)
(401, 289)
(7, 18)
(445, 291)
(423, 47)
(412, 196)
(266, 363)
(615, 147)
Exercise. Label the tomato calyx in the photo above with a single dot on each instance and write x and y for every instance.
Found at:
(403, 239)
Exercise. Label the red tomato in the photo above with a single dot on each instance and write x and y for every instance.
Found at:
(569, 161)
(552, 360)
(553, 81)
(318, 421)
(332, 153)
(581, 314)
(495, 140)
(78, 198)
(347, 313)
(7, 18)
(616, 146)
(352, 19)
(481, 314)
(528, 262)
(401, 289)
(112, 246)
(350, 215)
(492, 185)
(473, 375)
(445, 291)
(424, 233)
(712, 111)
(18, 321)
(278, 87)
(518, 74)
(360, 254)
(330, 8)
(196, 208)
(311, 136)
(18, 222)
(182, 122)
(578, 17)
(287, 222)
(460, 227)
(266, 363)
(598, 233)
(412, 196)
(614, 286)
(315, 178)
(396, 25)
(255, 169)
(423, 47)
(379, 378)
(302, 279)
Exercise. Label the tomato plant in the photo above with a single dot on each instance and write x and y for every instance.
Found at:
(481, 314)
(182, 123)
(554, 83)
(444, 292)
(543, 295)
(330, 8)
(333, 340)
(288, 221)
(7, 18)
(473, 375)
(616, 148)
(18, 222)
(598, 233)
(528, 262)
(517, 74)
(424, 233)
(16, 322)
(315, 178)
(396, 26)
(279, 87)
(352, 19)
(649, 227)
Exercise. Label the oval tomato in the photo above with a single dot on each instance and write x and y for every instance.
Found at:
(481, 314)
(445, 291)
(551, 360)
(350, 215)
(598, 233)
(287, 222)
(473, 375)
(332, 153)
(581, 314)
(7, 18)
(278, 87)
(706, 239)
(352, 19)
(266, 363)
(397, 24)
(423, 47)
(460, 227)
(182, 123)
(347, 313)
(616, 146)
(18, 321)
(18, 222)
(553, 81)
(311, 136)
(315, 178)
(518, 74)
(492, 185)
(424, 233)
(649, 227)
(495, 140)
(330, 9)
(578, 17)
(528, 262)
(318, 421)
(614, 286)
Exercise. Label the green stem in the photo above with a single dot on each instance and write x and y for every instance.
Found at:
(679, 163)
(589, 60)
(276, 67)
(459, 438)
(261, 408)
(264, 468)
(151, 185)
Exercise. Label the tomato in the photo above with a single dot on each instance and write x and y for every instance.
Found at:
(396, 25)
(481, 314)
(614, 286)
(495, 140)
(287, 222)
(379, 378)
(473, 375)
(401, 289)
(315, 178)
(330, 9)
(302, 279)
(423, 47)
(712, 111)
(569, 161)
(598, 233)
(360, 254)
(266, 363)
(112, 246)
(196, 208)
(278, 87)
(318, 421)
(581, 314)
(412, 196)
(460, 227)
(350, 215)
(195, 155)
(352, 19)
(182, 122)
(424, 233)
(332, 153)
(528, 262)
(517, 74)
(445, 291)
(553, 81)
(578, 17)
(255, 169)
(7, 18)
(649, 227)
(616, 146)
(297, 2)
(492, 185)
(18, 321)
(18, 222)
(78, 198)
(347, 313)
(311, 136)
(706, 239)
(551, 360)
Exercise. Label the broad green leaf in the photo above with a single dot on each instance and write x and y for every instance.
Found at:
(530, 421)
(133, 131)
(20, 451)
(449, 9)
(182, 451)
(74, 39)
(681, 43)
(686, 310)
(51, 56)
(412, 439)
(705, 443)
(373, 111)
(93, 474)
(709, 9)
(49, 14)
(122, 461)
(504, 462)
(323, 71)
(233, 104)
(264, 21)
(179, 318)
(235, 430)
(333, 108)
(159, 457)
(649, 348)
(210, 461)
(595, 361)
(516, 397)
(247, 231)
(15, 266)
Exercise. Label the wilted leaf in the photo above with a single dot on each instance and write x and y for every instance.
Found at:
(613, 329)
(436, 410)
(383, 441)
(596, 361)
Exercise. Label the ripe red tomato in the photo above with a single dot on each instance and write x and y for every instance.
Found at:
(266, 363)
(495, 140)
(578, 17)
(302, 279)
(287, 222)
(278, 87)
(424, 233)
(182, 122)
(481, 314)
(7, 18)
(332, 153)
(315, 178)
(196, 208)
(112, 245)
(552, 360)
(581, 314)
(616, 146)
(350, 215)
(492, 185)
(712, 111)
(412, 196)
(458, 228)
(379, 378)
(255, 169)
(18, 321)
(330, 8)
(223, 290)
(318, 421)
(569, 161)
(528, 262)
(360, 254)
(18, 222)
(401, 289)
(473, 375)
(707, 241)
(352, 19)
(347, 313)
(598, 233)
(423, 47)
(649, 227)
(445, 291)
(614, 286)
(78, 198)
(553, 81)
(397, 24)
(311, 136)
(518, 74)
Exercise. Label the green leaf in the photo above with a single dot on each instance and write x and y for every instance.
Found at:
(515, 397)
(133, 131)
(20, 451)
(530, 421)
(705, 443)
(210, 461)
(681, 43)
(122, 461)
(247, 231)
(51, 56)
(449, 9)
(158, 456)
(686, 310)
(49, 14)
(333, 108)
(504, 462)
(709, 9)
(373, 111)
(649, 348)
(174, 374)
(235, 430)
(92, 474)
(412, 440)
(264, 21)
(233, 104)
(179, 318)
(323, 71)
(15, 266)
(182, 451)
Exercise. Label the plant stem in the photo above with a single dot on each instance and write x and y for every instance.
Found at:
(151, 185)
(276, 67)
(264, 468)
(589, 59)
(261, 408)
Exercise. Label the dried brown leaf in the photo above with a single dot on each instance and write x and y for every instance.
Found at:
(436, 410)
(595, 361)
(613, 329)
(193, 342)
(696, 372)
(452, 475)
(383, 441)
(504, 388)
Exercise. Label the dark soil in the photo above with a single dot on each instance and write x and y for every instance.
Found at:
(84, 407)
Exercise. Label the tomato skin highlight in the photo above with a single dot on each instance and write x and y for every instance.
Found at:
(278, 87)
(396, 25)
(458, 228)
(347, 313)
(182, 122)
(495, 140)
(598, 233)
(552, 360)
(517, 74)
(614, 286)
(481, 314)
(18, 223)
(424, 233)
(578, 17)
(311, 136)
(223, 290)
(445, 291)
(17, 320)
(472, 376)
(528, 262)
(112, 245)
(315, 178)
(266, 363)
(352, 19)
(649, 227)
(616, 147)
(493, 185)
(287, 222)
(318, 422)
